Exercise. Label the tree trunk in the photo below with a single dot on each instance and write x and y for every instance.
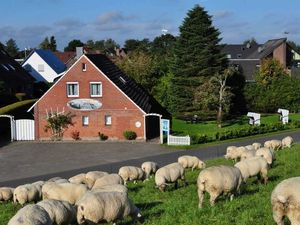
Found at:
(219, 116)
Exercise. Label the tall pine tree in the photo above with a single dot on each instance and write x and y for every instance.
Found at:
(197, 57)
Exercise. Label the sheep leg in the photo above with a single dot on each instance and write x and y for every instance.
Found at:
(213, 197)
(176, 184)
(278, 214)
(231, 197)
(201, 198)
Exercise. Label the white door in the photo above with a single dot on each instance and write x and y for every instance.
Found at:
(24, 130)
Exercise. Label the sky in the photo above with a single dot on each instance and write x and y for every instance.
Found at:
(30, 21)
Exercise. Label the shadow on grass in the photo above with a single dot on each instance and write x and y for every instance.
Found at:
(273, 178)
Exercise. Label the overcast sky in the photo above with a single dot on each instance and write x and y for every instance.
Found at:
(30, 21)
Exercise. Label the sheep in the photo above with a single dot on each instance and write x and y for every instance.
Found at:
(273, 144)
(248, 154)
(149, 168)
(169, 174)
(111, 188)
(65, 192)
(287, 142)
(27, 193)
(78, 179)
(252, 167)
(131, 173)
(250, 147)
(266, 153)
(105, 206)
(256, 145)
(60, 212)
(92, 176)
(285, 200)
(6, 193)
(217, 180)
(110, 179)
(31, 215)
(235, 153)
(53, 179)
(191, 162)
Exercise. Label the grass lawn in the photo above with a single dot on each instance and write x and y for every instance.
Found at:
(210, 128)
(180, 206)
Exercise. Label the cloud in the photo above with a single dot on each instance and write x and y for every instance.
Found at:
(69, 23)
(224, 14)
(112, 17)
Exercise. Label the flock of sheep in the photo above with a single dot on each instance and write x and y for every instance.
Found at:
(98, 196)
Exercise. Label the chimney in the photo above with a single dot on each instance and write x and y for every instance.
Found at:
(79, 52)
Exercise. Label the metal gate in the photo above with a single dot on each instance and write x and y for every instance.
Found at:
(24, 130)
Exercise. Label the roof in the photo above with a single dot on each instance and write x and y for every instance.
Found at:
(48, 56)
(65, 56)
(132, 89)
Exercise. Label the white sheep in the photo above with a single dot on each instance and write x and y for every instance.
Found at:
(31, 215)
(250, 147)
(6, 193)
(53, 179)
(78, 179)
(266, 153)
(217, 180)
(131, 173)
(111, 188)
(273, 144)
(110, 179)
(27, 193)
(285, 200)
(65, 191)
(92, 176)
(253, 167)
(193, 162)
(256, 145)
(248, 154)
(170, 173)
(287, 142)
(149, 168)
(105, 206)
(60, 212)
(235, 153)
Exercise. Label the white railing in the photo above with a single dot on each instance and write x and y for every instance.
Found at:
(174, 140)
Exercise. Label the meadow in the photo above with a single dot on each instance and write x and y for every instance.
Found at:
(180, 206)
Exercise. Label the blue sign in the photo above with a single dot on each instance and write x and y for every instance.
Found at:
(165, 125)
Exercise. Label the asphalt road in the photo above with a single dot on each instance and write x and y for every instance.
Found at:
(95, 156)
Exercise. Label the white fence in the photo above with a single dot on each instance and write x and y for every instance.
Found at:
(24, 130)
(174, 140)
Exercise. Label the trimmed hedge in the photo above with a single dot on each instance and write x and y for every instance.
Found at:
(11, 107)
(244, 132)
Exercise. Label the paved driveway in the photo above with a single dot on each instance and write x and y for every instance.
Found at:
(27, 162)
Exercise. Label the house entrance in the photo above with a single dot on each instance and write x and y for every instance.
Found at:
(152, 122)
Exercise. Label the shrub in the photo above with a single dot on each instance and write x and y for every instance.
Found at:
(7, 109)
(102, 136)
(129, 135)
(75, 135)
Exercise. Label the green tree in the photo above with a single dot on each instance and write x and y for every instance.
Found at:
(71, 47)
(197, 56)
(163, 45)
(53, 46)
(110, 46)
(251, 41)
(90, 44)
(131, 45)
(45, 44)
(12, 48)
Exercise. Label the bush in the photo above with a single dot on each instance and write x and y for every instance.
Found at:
(75, 135)
(102, 136)
(129, 135)
(7, 109)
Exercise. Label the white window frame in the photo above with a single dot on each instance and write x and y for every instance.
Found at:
(68, 89)
(107, 122)
(83, 67)
(91, 83)
(41, 68)
(85, 120)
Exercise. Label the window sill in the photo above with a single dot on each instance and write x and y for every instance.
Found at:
(96, 95)
(72, 96)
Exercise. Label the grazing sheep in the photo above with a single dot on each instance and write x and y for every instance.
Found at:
(217, 180)
(256, 145)
(105, 206)
(287, 142)
(169, 174)
(266, 153)
(285, 200)
(111, 188)
(31, 215)
(193, 162)
(27, 193)
(53, 179)
(273, 144)
(248, 154)
(60, 212)
(65, 192)
(250, 147)
(92, 176)
(131, 173)
(235, 153)
(252, 167)
(78, 179)
(6, 193)
(110, 179)
(149, 168)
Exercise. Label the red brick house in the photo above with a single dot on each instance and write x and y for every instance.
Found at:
(103, 99)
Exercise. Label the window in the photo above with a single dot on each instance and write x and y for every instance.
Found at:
(96, 89)
(12, 67)
(5, 67)
(228, 56)
(239, 55)
(85, 121)
(107, 120)
(72, 89)
(83, 66)
(122, 80)
(41, 68)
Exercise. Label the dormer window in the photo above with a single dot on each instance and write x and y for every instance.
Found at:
(41, 68)
(83, 66)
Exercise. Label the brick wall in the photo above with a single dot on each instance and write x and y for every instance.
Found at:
(280, 54)
(124, 113)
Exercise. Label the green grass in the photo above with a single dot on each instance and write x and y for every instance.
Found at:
(12, 107)
(251, 207)
(210, 128)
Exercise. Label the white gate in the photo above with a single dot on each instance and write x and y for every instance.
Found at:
(174, 140)
(24, 130)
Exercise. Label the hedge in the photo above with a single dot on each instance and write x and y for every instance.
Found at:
(11, 107)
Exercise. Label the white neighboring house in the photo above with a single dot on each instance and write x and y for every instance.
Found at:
(43, 65)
